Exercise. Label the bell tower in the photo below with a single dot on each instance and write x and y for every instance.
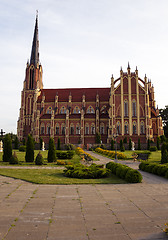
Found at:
(31, 89)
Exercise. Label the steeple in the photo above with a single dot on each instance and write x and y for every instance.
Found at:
(35, 45)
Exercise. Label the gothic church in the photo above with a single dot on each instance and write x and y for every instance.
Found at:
(126, 109)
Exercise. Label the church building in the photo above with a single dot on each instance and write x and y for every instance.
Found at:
(126, 108)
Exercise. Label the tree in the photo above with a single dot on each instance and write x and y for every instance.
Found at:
(158, 143)
(125, 140)
(130, 144)
(41, 143)
(112, 144)
(29, 157)
(16, 143)
(98, 138)
(51, 151)
(148, 144)
(58, 144)
(122, 149)
(164, 153)
(164, 114)
(139, 144)
(7, 148)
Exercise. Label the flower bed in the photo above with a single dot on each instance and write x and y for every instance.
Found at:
(110, 154)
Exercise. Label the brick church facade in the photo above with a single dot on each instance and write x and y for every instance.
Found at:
(127, 108)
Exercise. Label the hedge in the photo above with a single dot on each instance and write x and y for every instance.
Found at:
(64, 154)
(155, 168)
(110, 154)
(124, 172)
(81, 171)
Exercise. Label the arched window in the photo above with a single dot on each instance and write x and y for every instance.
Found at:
(92, 128)
(87, 129)
(118, 128)
(42, 129)
(63, 129)
(90, 109)
(76, 110)
(125, 108)
(142, 128)
(134, 129)
(72, 129)
(48, 129)
(77, 129)
(63, 110)
(101, 128)
(49, 109)
(57, 129)
(134, 108)
(31, 77)
(126, 128)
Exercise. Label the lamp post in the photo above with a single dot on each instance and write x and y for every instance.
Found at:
(115, 137)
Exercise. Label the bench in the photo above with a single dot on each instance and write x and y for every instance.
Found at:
(143, 156)
(88, 159)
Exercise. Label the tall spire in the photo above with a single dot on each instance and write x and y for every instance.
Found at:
(35, 45)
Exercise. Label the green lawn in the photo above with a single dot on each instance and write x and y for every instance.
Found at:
(154, 157)
(54, 176)
(21, 158)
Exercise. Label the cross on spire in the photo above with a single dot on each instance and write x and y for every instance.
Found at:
(2, 132)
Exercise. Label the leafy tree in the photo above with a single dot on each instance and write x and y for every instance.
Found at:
(164, 153)
(51, 151)
(148, 144)
(29, 157)
(59, 144)
(158, 143)
(112, 144)
(163, 138)
(41, 142)
(130, 144)
(7, 148)
(16, 143)
(98, 138)
(164, 115)
(139, 144)
(122, 149)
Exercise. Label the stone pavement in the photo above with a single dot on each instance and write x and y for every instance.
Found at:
(83, 212)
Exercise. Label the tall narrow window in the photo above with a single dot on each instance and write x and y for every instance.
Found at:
(78, 129)
(31, 81)
(72, 129)
(102, 128)
(126, 108)
(142, 128)
(42, 129)
(63, 129)
(57, 129)
(134, 108)
(87, 129)
(92, 128)
(134, 129)
(126, 128)
(118, 128)
(48, 129)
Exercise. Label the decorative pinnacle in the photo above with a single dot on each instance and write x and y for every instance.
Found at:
(128, 66)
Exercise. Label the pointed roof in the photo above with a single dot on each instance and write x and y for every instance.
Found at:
(35, 45)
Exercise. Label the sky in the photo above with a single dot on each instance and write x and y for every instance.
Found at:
(81, 44)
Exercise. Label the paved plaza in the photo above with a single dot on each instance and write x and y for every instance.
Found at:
(84, 212)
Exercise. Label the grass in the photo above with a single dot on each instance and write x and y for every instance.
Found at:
(21, 158)
(54, 176)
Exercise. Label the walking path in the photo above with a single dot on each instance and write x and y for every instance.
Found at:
(84, 212)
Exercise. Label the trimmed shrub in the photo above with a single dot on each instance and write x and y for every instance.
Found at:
(125, 140)
(7, 148)
(59, 144)
(98, 138)
(139, 144)
(81, 171)
(158, 143)
(51, 151)
(64, 154)
(16, 143)
(124, 172)
(110, 154)
(112, 144)
(133, 176)
(41, 143)
(39, 159)
(148, 144)
(154, 168)
(130, 144)
(164, 154)
(153, 149)
(22, 148)
(14, 159)
(122, 148)
(29, 157)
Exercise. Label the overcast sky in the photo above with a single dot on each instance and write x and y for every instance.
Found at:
(82, 43)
